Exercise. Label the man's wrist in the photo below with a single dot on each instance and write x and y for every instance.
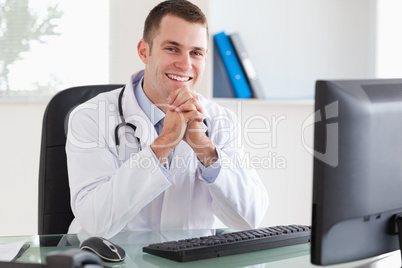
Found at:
(207, 155)
(161, 150)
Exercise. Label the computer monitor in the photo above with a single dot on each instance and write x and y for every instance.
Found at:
(357, 177)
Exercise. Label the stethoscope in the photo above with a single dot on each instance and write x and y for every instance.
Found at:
(133, 127)
(122, 124)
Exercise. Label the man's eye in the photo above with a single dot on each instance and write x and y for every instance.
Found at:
(170, 49)
(197, 53)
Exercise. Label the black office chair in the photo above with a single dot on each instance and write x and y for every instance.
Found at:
(55, 213)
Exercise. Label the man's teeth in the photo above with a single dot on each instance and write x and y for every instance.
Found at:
(178, 78)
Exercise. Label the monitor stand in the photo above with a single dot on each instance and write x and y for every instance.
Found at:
(398, 221)
(390, 259)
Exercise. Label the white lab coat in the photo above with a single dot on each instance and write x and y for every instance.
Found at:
(109, 196)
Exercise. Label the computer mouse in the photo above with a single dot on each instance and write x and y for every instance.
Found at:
(105, 249)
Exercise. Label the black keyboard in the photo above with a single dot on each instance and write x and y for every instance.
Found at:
(226, 244)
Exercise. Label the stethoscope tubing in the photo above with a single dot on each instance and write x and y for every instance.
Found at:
(123, 123)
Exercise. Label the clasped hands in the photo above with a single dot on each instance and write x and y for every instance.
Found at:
(184, 121)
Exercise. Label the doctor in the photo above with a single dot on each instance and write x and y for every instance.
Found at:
(178, 165)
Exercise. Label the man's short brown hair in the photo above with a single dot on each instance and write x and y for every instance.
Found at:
(179, 8)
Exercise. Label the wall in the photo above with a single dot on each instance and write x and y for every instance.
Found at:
(284, 164)
(19, 166)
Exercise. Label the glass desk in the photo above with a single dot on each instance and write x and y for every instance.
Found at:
(132, 242)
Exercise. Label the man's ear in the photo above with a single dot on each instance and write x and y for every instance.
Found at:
(143, 51)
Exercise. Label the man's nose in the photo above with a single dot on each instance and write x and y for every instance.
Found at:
(184, 62)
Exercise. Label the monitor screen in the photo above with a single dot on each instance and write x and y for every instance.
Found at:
(357, 175)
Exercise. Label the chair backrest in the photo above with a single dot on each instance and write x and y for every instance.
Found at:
(54, 214)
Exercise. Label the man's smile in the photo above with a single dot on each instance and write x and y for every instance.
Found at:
(179, 78)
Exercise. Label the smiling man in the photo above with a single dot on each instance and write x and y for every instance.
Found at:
(178, 165)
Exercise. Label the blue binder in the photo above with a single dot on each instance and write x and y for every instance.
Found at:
(222, 87)
(233, 67)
